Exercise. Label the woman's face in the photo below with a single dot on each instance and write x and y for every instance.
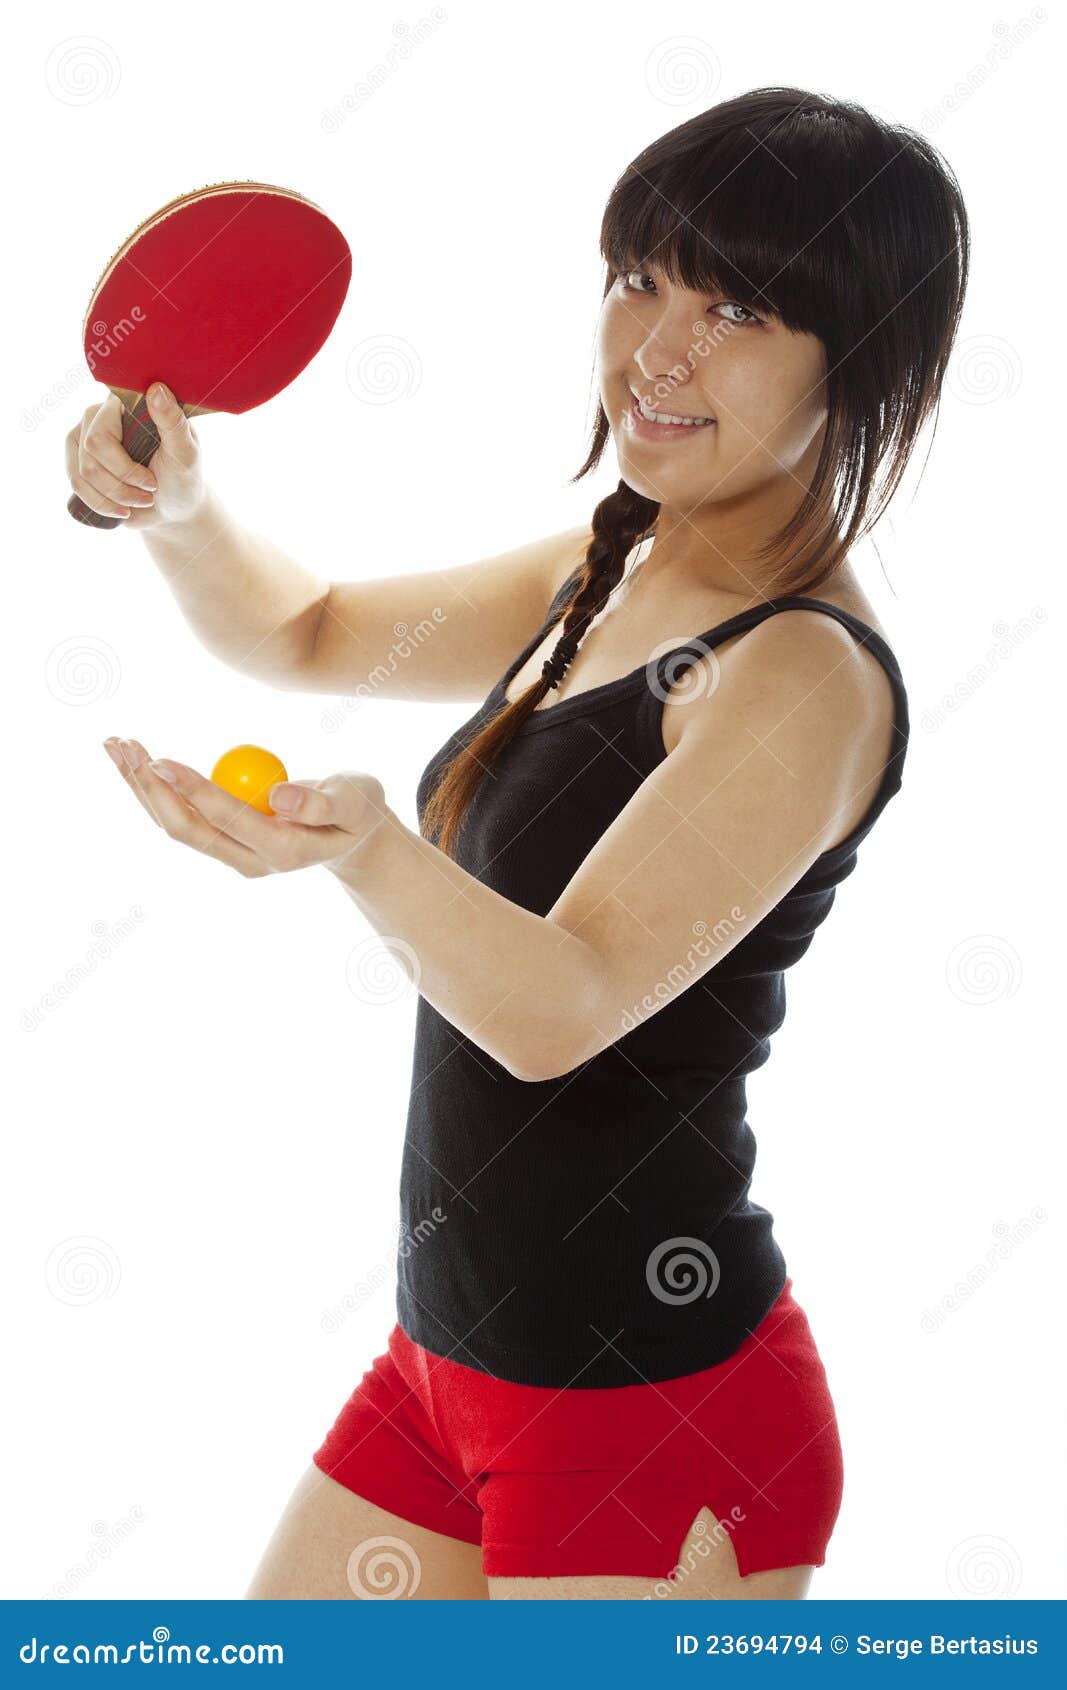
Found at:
(703, 355)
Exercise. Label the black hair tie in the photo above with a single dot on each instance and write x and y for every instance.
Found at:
(554, 668)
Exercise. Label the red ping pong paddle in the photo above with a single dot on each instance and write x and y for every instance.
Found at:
(225, 295)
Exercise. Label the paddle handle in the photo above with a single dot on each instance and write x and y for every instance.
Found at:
(140, 438)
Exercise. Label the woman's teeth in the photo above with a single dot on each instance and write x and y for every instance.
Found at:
(670, 421)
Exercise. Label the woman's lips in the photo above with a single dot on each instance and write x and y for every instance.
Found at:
(662, 434)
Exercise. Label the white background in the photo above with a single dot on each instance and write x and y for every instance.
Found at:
(206, 1120)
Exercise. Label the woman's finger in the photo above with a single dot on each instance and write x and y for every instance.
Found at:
(347, 806)
(176, 438)
(96, 500)
(97, 475)
(279, 843)
(179, 819)
(101, 446)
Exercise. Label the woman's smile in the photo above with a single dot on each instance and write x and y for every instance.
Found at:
(635, 422)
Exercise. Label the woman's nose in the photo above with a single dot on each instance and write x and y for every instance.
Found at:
(657, 363)
(669, 350)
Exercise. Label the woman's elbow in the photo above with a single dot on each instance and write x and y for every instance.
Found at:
(555, 1051)
(536, 1072)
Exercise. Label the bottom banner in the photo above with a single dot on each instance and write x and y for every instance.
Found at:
(383, 1642)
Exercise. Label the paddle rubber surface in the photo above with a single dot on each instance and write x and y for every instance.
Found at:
(225, 296)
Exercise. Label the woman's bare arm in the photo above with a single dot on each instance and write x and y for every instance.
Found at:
(438, 634)
(435, 634)
(713, 838)
(247, 602)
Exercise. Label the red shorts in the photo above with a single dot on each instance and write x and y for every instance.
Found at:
(554, 1482)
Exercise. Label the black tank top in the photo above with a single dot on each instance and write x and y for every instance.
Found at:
(596, 1229)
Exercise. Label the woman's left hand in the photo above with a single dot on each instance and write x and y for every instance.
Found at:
(325, 823)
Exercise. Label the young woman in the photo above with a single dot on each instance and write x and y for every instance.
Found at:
(600, 1383)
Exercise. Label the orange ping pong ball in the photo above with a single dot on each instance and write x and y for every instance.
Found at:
(248, 772)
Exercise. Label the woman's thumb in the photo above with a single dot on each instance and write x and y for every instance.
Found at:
(175, 436)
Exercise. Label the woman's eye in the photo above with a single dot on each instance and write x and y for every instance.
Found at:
(724, 304)
(626, 280)
(742, 322)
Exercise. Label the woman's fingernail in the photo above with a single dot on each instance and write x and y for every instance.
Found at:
(160, 396)
(284, 797)
(114, 753)
(164, 772)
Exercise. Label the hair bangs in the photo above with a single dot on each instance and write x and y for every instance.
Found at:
(750, 216)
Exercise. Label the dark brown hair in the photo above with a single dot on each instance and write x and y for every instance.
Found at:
(833, 222)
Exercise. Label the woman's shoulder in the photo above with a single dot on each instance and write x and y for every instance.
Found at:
(801, 678)
(845, 593)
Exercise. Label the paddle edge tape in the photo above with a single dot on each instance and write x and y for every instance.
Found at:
(209, 189)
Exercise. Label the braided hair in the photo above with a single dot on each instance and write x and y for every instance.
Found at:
(619, 521)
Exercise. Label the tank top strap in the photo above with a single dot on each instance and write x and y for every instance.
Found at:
(672, 664)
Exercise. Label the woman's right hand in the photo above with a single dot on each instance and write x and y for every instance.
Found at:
(169, 488)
